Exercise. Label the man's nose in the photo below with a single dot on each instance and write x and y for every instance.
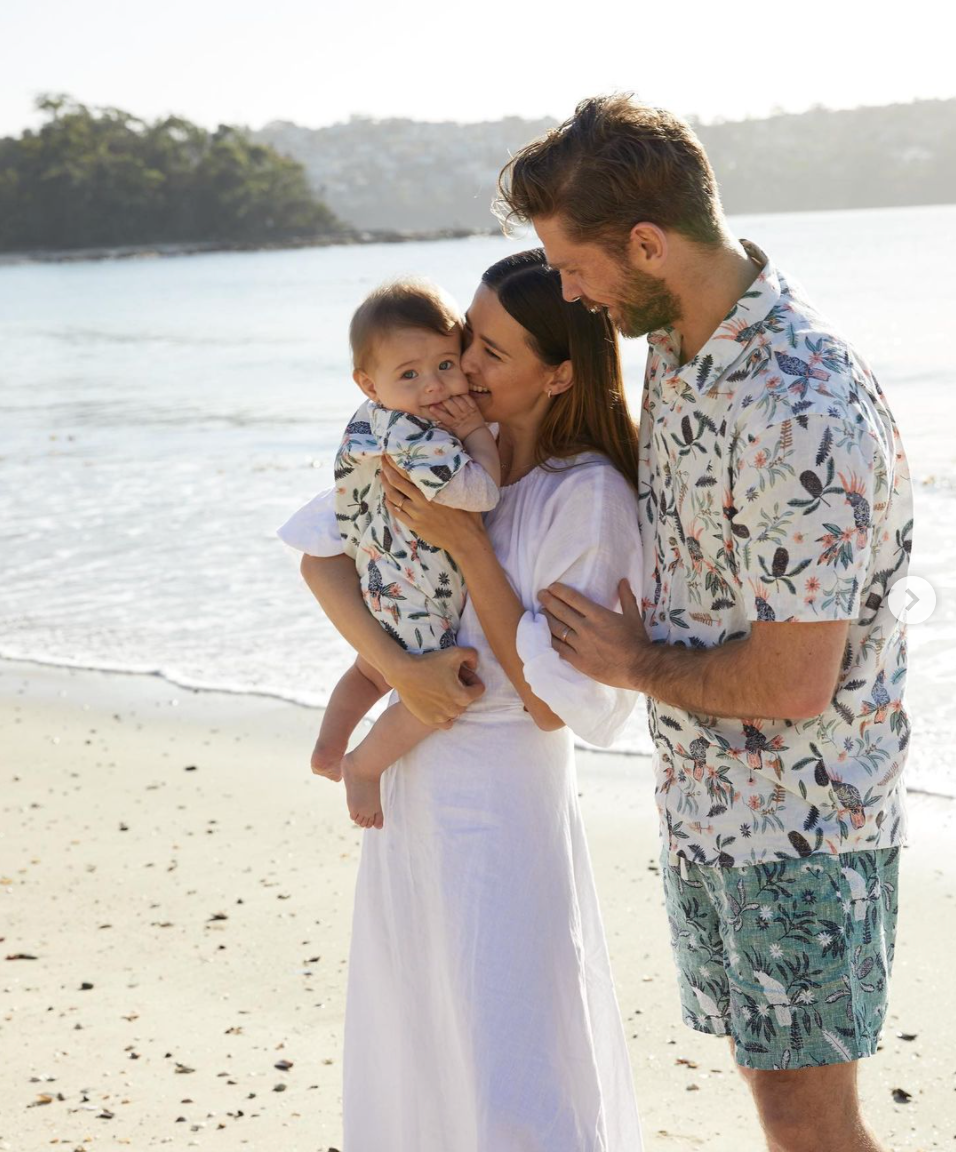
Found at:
(569, 288)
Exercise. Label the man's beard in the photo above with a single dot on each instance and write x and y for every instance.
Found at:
(643, 305)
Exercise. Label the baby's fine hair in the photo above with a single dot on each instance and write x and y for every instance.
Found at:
(406, 303)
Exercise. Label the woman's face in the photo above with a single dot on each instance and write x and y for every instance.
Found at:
(506, 378)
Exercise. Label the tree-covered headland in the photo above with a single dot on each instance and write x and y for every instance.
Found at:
(104, 178)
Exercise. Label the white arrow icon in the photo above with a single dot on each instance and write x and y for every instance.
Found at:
(912, 599)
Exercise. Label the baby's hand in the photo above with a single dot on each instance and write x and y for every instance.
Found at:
(459, 414)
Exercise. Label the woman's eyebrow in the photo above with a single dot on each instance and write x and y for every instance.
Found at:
(481, 336)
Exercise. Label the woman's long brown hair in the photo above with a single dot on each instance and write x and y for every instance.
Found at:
(593, 412)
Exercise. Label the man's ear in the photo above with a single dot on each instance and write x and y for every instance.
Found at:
(562, 378)
(366, 383)
(647, 247)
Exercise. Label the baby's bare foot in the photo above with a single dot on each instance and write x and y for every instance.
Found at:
(327, 759)
(363, 795)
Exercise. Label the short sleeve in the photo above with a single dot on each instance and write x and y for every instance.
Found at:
(427, 453)
(590, 543)
(804, 496)
(314, 529)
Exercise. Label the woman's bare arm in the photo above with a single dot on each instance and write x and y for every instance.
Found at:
(489, 589)
(436, 687)
(500, 611)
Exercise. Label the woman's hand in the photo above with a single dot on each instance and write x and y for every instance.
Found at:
(450, 528)
(437, 686)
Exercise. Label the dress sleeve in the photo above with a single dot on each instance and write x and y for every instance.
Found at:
(471, 489)
(805, 494)
(313, 529)
(590, 541)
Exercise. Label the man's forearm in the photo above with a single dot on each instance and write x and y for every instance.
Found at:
(732, 681)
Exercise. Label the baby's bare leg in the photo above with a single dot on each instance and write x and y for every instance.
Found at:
(356, 692)
(393, 734)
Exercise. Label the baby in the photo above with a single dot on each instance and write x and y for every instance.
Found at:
(406, 354)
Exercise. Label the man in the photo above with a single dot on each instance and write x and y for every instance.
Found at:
(776, 513)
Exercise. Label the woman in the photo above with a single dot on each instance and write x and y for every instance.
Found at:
(481, 1012)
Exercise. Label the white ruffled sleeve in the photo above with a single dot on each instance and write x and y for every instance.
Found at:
(314, 528)
(589, 541)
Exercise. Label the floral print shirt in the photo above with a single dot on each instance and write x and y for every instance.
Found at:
(774, 487)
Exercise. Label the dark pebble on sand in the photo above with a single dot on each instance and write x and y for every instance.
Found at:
(901, 1096)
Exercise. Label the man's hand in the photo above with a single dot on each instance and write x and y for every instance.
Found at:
(438, 686)
(459, 414)
(610, 647)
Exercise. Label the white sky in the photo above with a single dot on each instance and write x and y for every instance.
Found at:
(235, 61)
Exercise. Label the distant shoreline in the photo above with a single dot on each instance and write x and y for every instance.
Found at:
(337, 239)
(12, 663)
(203, 247)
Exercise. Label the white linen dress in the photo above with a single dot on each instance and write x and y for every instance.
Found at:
(481, 1014)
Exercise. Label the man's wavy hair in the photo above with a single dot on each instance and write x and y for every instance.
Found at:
(614, 163)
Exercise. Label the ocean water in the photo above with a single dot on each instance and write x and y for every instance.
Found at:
(160, 417)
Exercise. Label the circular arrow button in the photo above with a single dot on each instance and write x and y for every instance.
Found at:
(912, 599)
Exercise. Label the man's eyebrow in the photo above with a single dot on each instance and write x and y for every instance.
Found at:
(481, 336)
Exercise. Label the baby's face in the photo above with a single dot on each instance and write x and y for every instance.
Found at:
(414, 368)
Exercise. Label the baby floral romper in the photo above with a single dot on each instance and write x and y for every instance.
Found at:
(415, 591)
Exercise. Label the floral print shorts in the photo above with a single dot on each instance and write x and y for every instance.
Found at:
(791, 959)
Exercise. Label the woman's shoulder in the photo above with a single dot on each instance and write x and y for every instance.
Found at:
(586, 472)
(579, 502)
(585, 490)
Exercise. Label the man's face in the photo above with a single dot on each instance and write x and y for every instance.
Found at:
(635, 301)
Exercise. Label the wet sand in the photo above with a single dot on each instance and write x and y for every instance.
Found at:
(175, 901)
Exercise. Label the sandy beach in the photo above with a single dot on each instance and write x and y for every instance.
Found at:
(176, 893)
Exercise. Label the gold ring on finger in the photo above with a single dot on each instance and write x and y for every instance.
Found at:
(564, 634)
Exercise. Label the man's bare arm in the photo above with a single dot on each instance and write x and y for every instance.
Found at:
(780, 671)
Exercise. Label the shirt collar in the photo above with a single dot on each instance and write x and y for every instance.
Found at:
(750, 319)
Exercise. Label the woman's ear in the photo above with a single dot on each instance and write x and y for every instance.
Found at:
(561, 379)
(366, 383)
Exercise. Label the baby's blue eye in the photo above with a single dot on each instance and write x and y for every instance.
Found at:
(410, 374)
(445, 365)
